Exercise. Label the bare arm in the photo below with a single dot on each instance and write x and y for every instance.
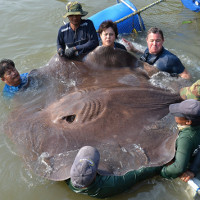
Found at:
(186, 176)
(130, 47)
(185, 74)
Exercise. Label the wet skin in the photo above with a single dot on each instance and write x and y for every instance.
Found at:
(154, 43)
(75, 21)
(11, 77)
(108, 37)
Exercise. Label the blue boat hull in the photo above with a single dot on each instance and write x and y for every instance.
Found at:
(117, 12)
(193, 5)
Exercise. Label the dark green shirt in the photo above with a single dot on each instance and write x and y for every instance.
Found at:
(106, 186)
(187, 141)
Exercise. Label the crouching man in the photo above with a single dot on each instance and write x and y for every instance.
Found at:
(187, 117)
(85, 178)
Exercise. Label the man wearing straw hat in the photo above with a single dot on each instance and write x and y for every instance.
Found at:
(78, 37)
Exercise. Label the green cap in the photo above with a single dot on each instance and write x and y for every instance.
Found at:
(192, 92)
(74, 8)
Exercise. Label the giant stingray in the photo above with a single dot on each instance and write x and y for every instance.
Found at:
(108, 102)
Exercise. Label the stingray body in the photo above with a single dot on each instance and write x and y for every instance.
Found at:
(115, 109)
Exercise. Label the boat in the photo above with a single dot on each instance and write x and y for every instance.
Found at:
(194, 186)
(123, 13)
(193, 5)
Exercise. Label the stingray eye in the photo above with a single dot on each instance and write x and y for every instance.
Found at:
(69, 118)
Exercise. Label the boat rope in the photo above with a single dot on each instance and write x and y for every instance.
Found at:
(138, 11)
(128, 5)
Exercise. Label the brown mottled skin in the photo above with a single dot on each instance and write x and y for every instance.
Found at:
(109, 105)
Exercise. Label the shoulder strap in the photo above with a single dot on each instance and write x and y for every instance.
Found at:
(152, 60)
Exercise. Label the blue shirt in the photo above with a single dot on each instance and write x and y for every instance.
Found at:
(84, 38)
(164, 61)
(10, 91)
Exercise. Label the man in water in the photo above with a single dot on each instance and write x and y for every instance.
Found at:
(78, 37)
(158, 56)
(187, 117)
(86, 179)
(192, 92)
(11, 77)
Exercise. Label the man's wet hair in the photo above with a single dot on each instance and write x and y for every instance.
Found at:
(108, 24)
(6, 64)
(155, 30)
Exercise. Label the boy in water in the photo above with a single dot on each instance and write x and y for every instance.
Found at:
(11, 77)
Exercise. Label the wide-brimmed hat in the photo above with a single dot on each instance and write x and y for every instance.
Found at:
(190, 109)
(192, 92)
(84, 167)
(74, 8)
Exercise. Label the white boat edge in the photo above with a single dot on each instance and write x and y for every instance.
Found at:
(194, 184)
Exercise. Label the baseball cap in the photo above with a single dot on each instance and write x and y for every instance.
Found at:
(84, 167)
(190, 109)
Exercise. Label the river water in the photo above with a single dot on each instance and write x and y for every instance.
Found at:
(28, 36)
